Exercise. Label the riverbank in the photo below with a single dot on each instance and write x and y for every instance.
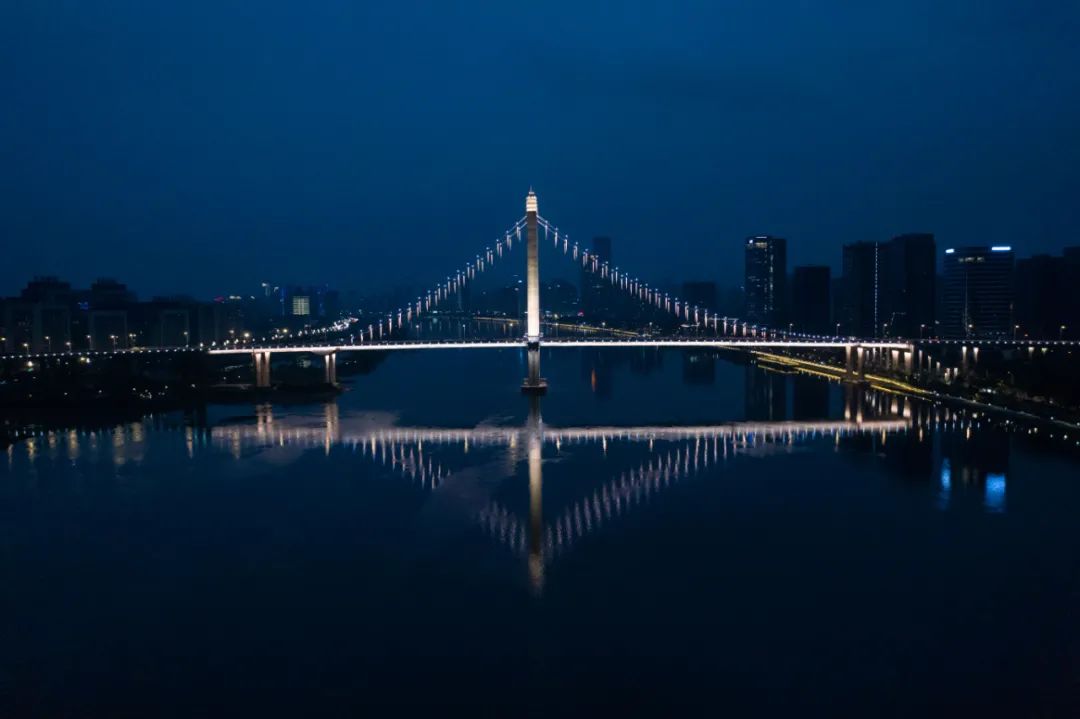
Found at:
(1034, 414)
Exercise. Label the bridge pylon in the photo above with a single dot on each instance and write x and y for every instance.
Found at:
(534, 383)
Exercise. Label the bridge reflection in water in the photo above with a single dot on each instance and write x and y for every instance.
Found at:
(431, 458)
(675, 453)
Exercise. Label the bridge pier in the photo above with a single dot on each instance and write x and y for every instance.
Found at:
(330, 365)
(534, 383)
(261, 364)
(854, 358)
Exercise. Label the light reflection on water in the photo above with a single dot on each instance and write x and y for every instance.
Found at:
(638, 494)
(412, 452)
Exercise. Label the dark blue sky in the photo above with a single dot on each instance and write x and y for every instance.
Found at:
(196, 147)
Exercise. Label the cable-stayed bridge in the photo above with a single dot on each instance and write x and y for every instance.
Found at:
(711, 330)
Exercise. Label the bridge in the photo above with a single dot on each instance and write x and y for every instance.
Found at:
(712, 331)
(720, 332)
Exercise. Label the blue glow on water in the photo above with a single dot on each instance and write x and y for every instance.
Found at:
(995, 492)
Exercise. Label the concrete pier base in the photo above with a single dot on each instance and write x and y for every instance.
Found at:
(534, 383)
(261, 366)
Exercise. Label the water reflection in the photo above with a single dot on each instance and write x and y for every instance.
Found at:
(910, 439)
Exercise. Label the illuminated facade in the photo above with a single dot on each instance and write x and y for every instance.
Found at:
(977, 295)
(766, 280)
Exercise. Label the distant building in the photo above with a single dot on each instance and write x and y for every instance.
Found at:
(811, 300)
(39, 319)
(303, 302)
(978, 292)
(107, 293)
(907, 271)
(889, 288)
(766, 280)
(1043, 297)
(861, 302)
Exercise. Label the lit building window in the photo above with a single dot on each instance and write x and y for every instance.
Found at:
(301, 306)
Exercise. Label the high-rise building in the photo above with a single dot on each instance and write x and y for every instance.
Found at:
(317, 301)
(907, 271)
(1041, 300)
(811, 301)
(978, 292)
(861, 301)
(766, 280)
(889, 288)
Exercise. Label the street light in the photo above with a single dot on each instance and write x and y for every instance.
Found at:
(922, 329)
(48, 342)
(1061, 332)
(1016, 331)
(113, 338)
(89, 342)
(837, 329)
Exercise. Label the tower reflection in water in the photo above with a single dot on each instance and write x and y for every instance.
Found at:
(918, 441)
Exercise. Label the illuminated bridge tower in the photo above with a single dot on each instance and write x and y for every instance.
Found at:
(533, 383)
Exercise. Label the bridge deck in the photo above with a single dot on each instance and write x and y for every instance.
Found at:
(705, 343)
(735, 343)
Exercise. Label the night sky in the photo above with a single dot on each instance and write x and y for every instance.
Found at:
(203, 148)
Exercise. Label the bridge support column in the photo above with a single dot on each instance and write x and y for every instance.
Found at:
(261, 362)
(860, 361)
(534, 383)
(849, 360)
(330, 361)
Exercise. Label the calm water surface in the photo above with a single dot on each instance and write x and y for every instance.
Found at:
(663, 532)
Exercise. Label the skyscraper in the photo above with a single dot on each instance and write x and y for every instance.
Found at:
(907, 270)
(766, 280)
(810, 299)
(978, 292)
(889, 287)
(861, 290)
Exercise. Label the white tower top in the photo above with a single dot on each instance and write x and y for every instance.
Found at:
(531, 204)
